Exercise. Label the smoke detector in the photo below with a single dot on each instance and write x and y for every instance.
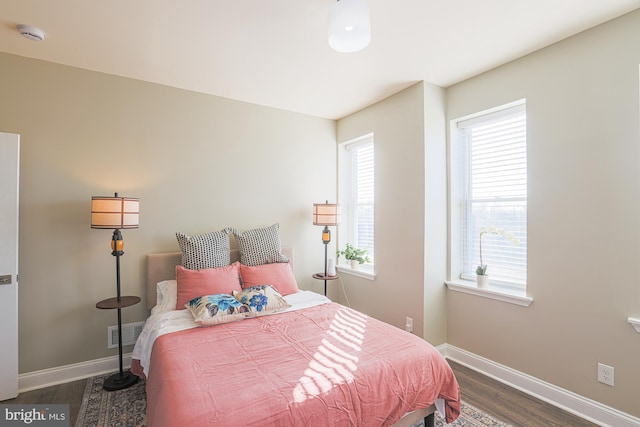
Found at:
(30, 32)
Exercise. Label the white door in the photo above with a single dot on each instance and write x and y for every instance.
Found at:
(9, 173)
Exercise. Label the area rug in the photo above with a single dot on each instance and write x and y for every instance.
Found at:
(127, 408)
(121, 408)
(470, 416)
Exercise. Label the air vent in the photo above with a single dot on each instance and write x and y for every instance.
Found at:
(130, 333)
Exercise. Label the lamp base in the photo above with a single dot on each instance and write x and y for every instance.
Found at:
(120, 382)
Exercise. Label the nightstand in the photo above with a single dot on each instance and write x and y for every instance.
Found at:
(321, 276)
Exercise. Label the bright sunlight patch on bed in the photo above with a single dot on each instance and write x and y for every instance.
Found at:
(336, 359)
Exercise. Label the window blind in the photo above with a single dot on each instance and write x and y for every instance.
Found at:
(495, 165)
(362, 195)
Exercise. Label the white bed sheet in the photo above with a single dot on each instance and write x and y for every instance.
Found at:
(168, 321)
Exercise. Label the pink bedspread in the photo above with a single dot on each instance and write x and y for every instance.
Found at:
(322, 366)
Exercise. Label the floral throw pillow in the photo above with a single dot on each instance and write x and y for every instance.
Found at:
(262, 299)
(215, 309)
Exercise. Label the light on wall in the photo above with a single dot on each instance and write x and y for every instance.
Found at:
(349, 26)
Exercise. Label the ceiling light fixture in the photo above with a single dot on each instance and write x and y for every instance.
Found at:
(349, 26)
(30, 32)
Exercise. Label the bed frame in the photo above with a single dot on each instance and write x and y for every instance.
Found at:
(162, 266)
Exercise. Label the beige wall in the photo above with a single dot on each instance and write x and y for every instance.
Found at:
(398, 124)
(584, 216)
(197, 162)
(435, 220)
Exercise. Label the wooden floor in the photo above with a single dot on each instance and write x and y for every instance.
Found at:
(509, 405)
(69, 393)
(500, 401)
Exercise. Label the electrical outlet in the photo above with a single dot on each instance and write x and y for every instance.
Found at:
(408, 326)
(605, 374)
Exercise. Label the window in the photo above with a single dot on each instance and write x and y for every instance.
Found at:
(356, 178)
(489, 171)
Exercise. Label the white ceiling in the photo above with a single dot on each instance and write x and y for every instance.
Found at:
(275, 52)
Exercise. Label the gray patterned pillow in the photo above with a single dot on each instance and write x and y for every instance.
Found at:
(209, 250)
(260, 246)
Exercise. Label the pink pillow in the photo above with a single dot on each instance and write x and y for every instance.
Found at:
(278, 274)
(209, 281)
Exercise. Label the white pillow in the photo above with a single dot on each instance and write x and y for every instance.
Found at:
(166, 296)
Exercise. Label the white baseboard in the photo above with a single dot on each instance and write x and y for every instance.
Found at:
(68, 373)
(571, 402)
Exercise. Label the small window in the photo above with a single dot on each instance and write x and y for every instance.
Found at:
(356, 179)
(489, 172)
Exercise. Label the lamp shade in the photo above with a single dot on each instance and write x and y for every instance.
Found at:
(349, 26)
(114, 212)
(326, 214)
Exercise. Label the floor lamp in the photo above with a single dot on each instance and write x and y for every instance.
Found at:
(325, 214)
(116, 213)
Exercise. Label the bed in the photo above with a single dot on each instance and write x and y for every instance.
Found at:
(317, 363)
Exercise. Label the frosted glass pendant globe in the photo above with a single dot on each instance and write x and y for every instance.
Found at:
(349, 26)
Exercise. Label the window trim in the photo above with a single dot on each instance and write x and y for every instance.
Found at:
(365, 272)
(345, 230)
(492, 292)
(457, 188)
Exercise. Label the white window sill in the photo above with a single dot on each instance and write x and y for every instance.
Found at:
(492, 292)
(635, 323)
(365, 272)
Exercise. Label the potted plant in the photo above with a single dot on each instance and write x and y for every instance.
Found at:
(354, 255)
(482, 277)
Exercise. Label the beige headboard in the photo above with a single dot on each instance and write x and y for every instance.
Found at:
(162, 266)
